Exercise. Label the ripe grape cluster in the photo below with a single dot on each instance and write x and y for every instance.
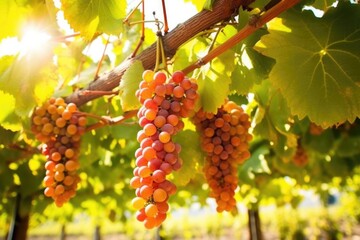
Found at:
(224, 139)
(164, 103)
(315, 130)
(300, 158)
(58, 126)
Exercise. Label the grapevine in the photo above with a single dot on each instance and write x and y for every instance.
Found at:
(164, 103)
(224, 138)
(58, 126)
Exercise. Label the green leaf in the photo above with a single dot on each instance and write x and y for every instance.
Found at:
(251, 66)
(322, 143)
(337, 167)
(348, 146)
(128, 86)
(214, 82)
(8, 119)
(91, 17)
(30, 81)
(317, 63)
(6, 136)
(12, 17)
(190, 145)
(29, 183)
(255, 164)
(208, 4)
(272, 114)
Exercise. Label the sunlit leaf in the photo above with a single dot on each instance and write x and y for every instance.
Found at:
(90, 17)
(12, 17)
(251, 66)
(31, 79)
(191, 155)
(7, 111)
(128, 86)
(214, 82)
(317, 63)
(256, 164)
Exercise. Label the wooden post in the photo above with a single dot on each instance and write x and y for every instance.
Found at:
(19, 223)
(63, 232)
(254, 225)
(97, 235)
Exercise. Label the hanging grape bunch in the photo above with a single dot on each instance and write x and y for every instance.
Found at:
(224, 138)
(164, 103)
(300, 158)
(58, 126)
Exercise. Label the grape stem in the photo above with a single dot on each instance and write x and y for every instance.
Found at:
(220, 27)
(161, 62)
(166, 27)
(103, 121)
(63, 38)
(97, 93)
(101, 60)
(243, 33)
(126, 20)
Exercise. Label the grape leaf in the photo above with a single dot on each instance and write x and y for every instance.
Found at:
(190, 145)
(317, 63)
(208, 4)
(251, 66)
(30, 82)
(272, 116)
(322, 143)
(29, 183)
(8, 119)
(256, 164)
(6, 136)
(90, 17)
(12, 16)
(348, 146)
(128, 86)
(214, 82)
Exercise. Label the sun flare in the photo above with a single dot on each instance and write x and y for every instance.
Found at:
(33, 40)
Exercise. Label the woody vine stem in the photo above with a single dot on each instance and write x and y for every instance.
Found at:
(174, 39)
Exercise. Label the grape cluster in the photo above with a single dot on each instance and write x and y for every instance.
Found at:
(300, 158)
(164, 102)
(315, 130)
(58, 126)
(224, 139)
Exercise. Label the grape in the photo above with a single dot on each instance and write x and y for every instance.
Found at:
(224, 138)
(159, 195)
(164, 103)
(59, 127)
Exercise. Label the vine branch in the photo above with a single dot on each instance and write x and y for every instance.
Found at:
(222, 10)
(103, 121)
(251, 27)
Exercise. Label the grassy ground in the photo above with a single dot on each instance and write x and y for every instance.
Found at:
(311, 223)
(283, 223)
